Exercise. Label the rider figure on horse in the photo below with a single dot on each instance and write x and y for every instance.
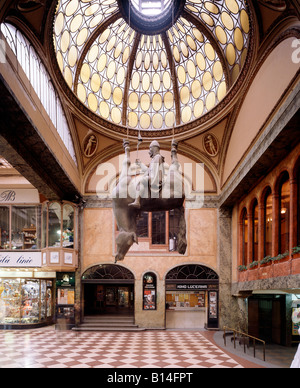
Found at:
(153, 177)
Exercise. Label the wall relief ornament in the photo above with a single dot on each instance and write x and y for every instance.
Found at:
(211, 144)
(276, 5)
(90, 145)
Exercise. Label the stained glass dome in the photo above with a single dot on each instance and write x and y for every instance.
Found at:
(151, 67)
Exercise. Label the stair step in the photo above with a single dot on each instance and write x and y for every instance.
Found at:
(131, 329)
(112, 324)
(108, 323)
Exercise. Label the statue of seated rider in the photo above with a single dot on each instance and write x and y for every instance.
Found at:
(152, 180)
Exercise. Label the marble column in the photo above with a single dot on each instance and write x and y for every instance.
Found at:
(232, 309)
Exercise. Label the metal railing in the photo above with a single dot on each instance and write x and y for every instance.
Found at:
(240, 335)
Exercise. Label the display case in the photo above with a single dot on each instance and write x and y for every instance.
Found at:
(26, 301)
(185, 300)
(29, 237)
(59, 235)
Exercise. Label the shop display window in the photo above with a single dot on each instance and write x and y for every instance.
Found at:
(4, 227)
(25, 227)
(54, 225)
(185, 300)
(25, 301)
(59, 225)
(20, 227)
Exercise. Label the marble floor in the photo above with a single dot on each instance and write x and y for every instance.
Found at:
(50, 348)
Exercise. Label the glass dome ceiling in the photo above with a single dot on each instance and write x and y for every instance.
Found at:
(149, 70)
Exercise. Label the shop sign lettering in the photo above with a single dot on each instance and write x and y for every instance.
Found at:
(191, 286)
(19, 196)
(8, 196)
(17, 259)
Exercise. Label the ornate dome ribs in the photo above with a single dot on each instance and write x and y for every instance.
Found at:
(151, 81)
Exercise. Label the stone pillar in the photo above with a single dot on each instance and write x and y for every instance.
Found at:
(232, 309)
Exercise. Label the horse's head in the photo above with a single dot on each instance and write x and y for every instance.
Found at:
(124, 242)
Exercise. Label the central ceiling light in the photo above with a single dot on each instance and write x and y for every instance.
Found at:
(151, 8)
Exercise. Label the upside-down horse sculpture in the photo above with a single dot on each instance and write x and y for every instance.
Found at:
(149, 192)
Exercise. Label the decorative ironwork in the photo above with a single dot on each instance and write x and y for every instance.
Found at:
(192, 272)
(107, 272)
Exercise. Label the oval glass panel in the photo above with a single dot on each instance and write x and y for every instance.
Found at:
(207, 81)
(201, 61)
(81, 93)
(106, 90)
(191, 68)
(85, 73)
(221, 35)
(167, 80)
(227, 21)
(118, 96)
(168, 100)
(95, 83)
(198, 108)
(133, 101)
(111, 70)
(132, 119)
(157, 121)
(82, 37)
(196, 89)
(156, 82)
(121, 75)
(210, 101)
(145, 121)
(221, 91)
(72, 56)
(181, 74)
(92, 102)
(186, 114)
(135, 81)
(116, 115)
(146, 82)
(102, 62)
(145, 102)
(170, 119)
(157, 102)
(218, 71)
(147, 61)
(104, 109)
(185, 95)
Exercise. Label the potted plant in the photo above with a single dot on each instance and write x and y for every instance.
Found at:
(296, 260)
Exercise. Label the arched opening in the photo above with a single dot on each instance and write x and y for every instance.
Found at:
(108, 289)
(192, 297)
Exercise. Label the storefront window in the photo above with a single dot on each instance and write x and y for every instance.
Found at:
(284, 215)
(54, 225)
(143, 225)
(4, 227)
(268, 220)
(44, 226)
(174, 219)
(68, 226)
(245, 237)
(24, 227)
(255, 231)
(158, 228)
(25, 301)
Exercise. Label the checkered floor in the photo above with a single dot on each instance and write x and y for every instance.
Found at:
(67, 349)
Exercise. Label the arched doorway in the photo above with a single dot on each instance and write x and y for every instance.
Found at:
(108, 289)
(192, 297)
